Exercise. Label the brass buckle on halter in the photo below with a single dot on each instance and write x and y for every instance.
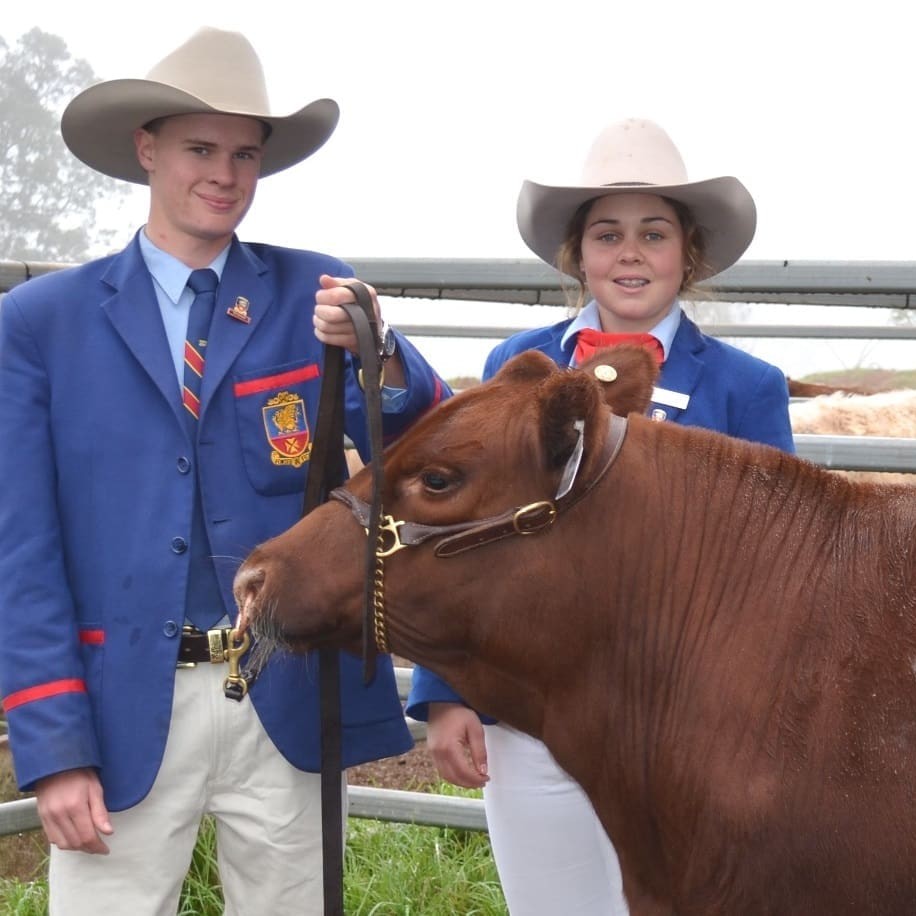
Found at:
(389, 526)
(534, 517)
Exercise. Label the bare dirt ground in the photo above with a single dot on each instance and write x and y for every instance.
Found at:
(413, 772)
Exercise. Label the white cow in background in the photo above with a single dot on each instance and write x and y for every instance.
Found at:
(886, 413)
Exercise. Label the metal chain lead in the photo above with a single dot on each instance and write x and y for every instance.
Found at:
(381, 637)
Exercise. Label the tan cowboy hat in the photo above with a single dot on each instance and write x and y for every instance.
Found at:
(637, 155)
(213, 72)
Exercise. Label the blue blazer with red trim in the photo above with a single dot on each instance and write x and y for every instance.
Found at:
(729, 391)
(96, 513)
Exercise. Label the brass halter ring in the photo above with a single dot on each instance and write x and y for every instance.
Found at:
(388, 525)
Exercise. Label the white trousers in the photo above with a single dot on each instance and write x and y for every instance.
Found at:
(552, 854)
(218, 760)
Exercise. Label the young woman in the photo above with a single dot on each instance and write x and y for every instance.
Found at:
(635, 235)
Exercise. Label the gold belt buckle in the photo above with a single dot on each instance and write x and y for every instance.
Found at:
(217, 645)
(218, 641)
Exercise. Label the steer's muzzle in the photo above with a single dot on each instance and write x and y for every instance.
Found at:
(258, 611)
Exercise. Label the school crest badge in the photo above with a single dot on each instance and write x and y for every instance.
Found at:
(287, 430)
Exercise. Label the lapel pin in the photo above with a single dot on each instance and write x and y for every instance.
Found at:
(658, 415)
(239, 311)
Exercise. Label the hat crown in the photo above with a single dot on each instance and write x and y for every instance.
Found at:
(636, 152)
(213, 72)
(636, 155)
(220, 68)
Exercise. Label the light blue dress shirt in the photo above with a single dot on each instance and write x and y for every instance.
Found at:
(170, 281)
(590, 317)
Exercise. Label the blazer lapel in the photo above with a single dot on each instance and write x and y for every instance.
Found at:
(245, 292)
(133, 310)
(554, 346)
(681, 371)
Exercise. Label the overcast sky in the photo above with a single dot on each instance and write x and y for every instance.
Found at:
(445, 108)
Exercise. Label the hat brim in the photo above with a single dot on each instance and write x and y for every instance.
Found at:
(722, 207)
(98, 125)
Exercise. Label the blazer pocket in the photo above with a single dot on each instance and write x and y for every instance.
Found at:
(273, 407)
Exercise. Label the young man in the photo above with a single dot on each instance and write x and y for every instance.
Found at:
(140, 470)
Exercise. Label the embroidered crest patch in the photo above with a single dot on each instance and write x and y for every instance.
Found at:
(287, 430)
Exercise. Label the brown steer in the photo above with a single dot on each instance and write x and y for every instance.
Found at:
(717, 640)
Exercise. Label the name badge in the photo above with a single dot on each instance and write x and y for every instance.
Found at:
(670, 398)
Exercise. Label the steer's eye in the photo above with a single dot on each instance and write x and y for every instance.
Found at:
(436, 481)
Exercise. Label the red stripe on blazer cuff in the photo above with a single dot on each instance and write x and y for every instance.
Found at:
(43, 691)
(256, 385)
(92, 637)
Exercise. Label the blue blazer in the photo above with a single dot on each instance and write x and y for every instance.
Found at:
(98, 477)
(729, 391)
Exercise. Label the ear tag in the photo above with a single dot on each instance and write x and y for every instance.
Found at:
(572, 464)
(605, 373)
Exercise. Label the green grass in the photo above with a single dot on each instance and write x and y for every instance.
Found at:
(23, 899)
(389, 870)
(401, 870)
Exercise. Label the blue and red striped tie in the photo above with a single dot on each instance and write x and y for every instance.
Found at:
(204, 283)
(203, 603)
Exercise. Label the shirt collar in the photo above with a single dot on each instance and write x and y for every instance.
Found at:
(169, 273)
(589, 317)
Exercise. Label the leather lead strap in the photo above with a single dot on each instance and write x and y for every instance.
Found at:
(327, 470)
(327, 464)
(362, 315)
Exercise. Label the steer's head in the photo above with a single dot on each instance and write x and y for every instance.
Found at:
(498, 445)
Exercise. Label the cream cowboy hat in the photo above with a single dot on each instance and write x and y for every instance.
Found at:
(637, 155)
(213, 72)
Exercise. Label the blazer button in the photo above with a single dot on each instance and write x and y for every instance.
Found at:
(171, 628)
(184, 465)
(179, 545)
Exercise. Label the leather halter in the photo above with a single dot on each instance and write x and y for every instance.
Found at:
(463, 536)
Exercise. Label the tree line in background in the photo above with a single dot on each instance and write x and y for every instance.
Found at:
(48, 198)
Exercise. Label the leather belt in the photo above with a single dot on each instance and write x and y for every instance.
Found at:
(197, 646)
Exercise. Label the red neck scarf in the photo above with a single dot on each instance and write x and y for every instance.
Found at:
(589, 340)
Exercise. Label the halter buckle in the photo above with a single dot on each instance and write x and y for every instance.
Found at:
(533, 517)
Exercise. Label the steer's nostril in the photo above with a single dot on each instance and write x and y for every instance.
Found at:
(248, 582)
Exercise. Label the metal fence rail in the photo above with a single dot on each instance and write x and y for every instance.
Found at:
(884, 284)
(858, 453)
(422, 808)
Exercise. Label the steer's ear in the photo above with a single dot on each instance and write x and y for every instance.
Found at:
(626, 373)
(529, 366)
(563, 399)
